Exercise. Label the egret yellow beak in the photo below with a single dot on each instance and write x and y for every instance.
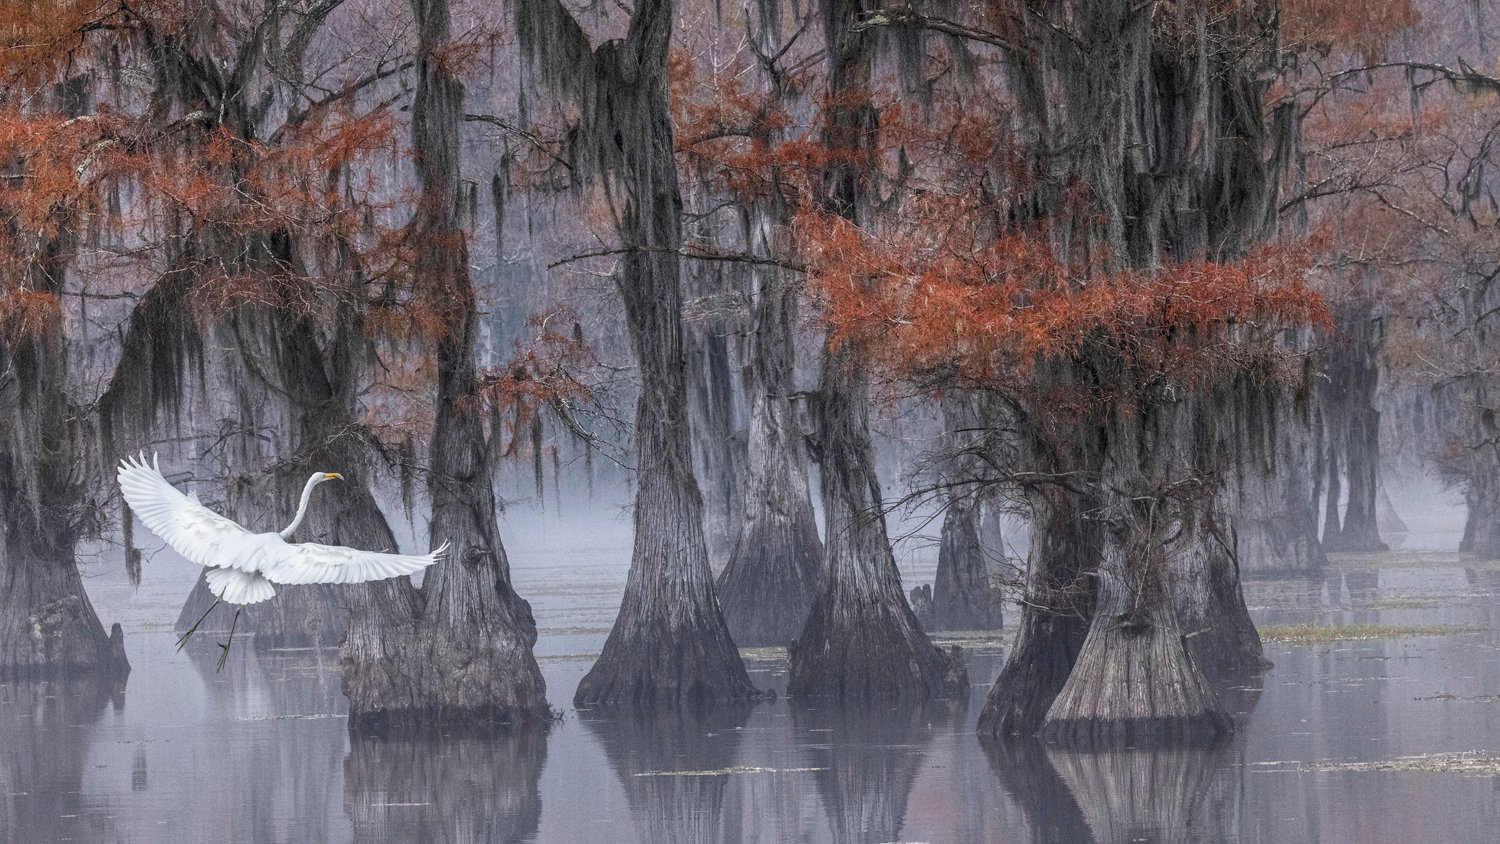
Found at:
(332, 476)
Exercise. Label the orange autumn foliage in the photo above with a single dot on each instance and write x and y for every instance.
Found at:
(548, 371)
(932, 294)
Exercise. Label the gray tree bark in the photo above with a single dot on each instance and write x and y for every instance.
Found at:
(470, 662)
(47, 623)
(861, 640)
(719, 448)
(1058, 603)
(962, 596)
(767, 588)
(669, 644)
(1353, 430)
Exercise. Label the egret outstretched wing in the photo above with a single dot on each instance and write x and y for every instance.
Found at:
(194, 531)
(309, 562)
(209, 539)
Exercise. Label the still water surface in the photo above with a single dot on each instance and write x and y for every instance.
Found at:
(259, 752)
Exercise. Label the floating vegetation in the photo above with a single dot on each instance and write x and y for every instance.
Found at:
(1445, 763)
(769, 654)
(975, 639)
(1318, 634)
(544, 660)
(735, 769)
(1469, 699)
(1404, 604)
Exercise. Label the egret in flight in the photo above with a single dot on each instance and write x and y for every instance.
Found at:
(243, 565)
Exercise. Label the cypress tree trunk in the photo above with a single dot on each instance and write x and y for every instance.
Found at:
(470, 663)
(861, 640)
(1210, 604)
(719, 451)
(1353, 371)
(1054, 617)
(1168, 130)
(962, 597)
(669, 644)
(1478, 434)
(1134, 680)
(1482, 493)
(767, 588)
(1273, 489)
(47, 624)
(1238, 422)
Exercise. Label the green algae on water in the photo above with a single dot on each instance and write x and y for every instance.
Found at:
(1318, 634)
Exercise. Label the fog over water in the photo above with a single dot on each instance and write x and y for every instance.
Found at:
(260, 752)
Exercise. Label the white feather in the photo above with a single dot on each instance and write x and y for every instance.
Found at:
(238, 587)
(259, 559)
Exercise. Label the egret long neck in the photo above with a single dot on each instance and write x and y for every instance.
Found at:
(301, 508)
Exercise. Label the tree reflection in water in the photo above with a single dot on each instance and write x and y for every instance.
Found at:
(1161, 795)
(446, 790)
(46, 730)
(278, 758)
(866, 760)
(675, 767)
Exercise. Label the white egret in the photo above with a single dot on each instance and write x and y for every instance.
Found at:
(243, 565)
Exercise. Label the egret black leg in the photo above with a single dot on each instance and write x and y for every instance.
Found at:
(225, 646)
(182, 640)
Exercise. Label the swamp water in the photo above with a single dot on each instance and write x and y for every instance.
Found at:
(1393, 737)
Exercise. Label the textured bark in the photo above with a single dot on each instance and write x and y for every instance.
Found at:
(1210, 604)
(1169, 131)
(1482, 526)
(1470, 407)
(470, 662)
(962, 597)
(719, 450)
(669, 644)
(1161, 556)
(446, 791)
(1273, 486)
(861, 640)
(1134, 681)
(1054, 618)
(47, 624)
(767, 588)
(1233, 434)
